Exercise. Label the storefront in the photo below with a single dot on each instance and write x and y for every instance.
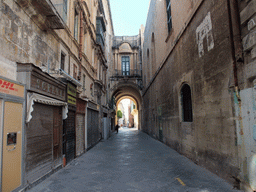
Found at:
(93, 132)
(80, 127)
(69, 129)
(12, 108)
(46, 110)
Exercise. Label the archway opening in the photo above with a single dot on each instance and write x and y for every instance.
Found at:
(131, 92)
(127, 112)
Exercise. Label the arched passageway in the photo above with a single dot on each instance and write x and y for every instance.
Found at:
(128, 107)
(132, 92)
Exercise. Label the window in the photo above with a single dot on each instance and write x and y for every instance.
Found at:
(62, 8)
(65, 10)
(186, 103)
(75, 71)
(126, 65)
(105, 77)
(169, 15)
(93, 57)
(91, 89)
(85, 43)
(83, 82)
(76, 26)
(62, 61)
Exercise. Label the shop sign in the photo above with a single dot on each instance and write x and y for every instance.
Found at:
(11, 88)
(71, 100)
(71, 90)
(49, 88)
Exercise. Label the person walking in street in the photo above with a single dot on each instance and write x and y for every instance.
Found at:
(116, 128)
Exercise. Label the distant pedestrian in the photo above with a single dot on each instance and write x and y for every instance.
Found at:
(116, 128)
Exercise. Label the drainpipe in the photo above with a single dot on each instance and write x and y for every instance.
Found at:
(235, 37)
(81, 40)
(237, 57)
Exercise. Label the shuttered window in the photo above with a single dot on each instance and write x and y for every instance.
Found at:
(126, 65)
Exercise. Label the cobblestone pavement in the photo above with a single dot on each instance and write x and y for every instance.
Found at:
(132, 161)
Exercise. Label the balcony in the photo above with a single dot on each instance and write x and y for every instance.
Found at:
(100, 30)
(61, 6)
(135, 73)
(43, 12)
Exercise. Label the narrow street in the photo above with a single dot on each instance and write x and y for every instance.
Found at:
(132, 161)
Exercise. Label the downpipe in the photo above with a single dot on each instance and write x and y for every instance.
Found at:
(237, 57)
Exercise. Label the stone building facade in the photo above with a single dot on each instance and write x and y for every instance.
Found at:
(190, 56)
(125, 73)
(69, 43)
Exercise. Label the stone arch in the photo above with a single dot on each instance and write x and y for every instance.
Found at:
(131, 91)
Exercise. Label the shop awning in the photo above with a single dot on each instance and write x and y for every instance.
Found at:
(34, 97)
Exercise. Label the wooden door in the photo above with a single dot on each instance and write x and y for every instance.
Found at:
(12, 146)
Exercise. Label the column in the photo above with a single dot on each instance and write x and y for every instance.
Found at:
(136, 63)
(132, 64)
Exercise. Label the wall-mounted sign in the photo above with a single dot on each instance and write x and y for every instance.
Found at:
(48, 87)
(71, 100)
(71, 90)
(10, 88)
(38, 81)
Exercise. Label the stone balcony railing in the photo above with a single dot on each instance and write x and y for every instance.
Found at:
(134, 73)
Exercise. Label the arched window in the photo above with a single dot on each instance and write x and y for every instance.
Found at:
(186, 103)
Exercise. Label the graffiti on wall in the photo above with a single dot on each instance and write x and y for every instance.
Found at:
(204, 31)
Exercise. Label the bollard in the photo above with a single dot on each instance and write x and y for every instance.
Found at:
(64, 161)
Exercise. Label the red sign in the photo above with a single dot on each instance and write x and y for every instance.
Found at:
(10, 88)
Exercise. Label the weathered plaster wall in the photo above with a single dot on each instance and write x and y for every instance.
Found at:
(22, 41)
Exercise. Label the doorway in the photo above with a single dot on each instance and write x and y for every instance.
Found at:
(11, 123)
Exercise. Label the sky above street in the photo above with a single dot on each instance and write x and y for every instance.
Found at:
(128, 15)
